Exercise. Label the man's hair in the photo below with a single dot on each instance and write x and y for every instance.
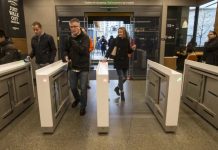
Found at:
(74, 20)
(214, 32)
(36, 23)
(2, 33)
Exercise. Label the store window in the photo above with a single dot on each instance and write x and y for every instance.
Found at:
(206, 21)
(191, 19)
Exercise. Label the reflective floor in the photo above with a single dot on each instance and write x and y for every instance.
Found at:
(132, 127)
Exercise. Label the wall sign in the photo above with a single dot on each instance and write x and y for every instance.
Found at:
(14, 14)
(13, 18)
(109, 2)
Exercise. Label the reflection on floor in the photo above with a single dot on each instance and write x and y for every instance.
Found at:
(132, 127)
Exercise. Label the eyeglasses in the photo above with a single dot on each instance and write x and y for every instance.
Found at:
(74, 26)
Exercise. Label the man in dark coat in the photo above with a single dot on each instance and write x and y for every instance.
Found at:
(43, 46)
(76, 53)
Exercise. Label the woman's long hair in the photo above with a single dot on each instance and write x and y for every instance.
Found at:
(126, 35)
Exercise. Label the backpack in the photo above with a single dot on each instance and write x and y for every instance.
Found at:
(91, 46)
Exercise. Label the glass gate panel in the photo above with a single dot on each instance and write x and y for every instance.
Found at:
(146, 37)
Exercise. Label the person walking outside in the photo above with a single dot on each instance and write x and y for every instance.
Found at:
(76, 53)
(103, 42)
(43, 46)
(121, 59)
(110, 41)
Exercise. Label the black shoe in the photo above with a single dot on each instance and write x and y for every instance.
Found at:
(117, 90)
(122, 96)
(88, 87)
(82, 111)
(75, 103)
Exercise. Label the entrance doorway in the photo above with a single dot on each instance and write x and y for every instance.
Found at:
(100, 32)
(105, 25)
(143, 31)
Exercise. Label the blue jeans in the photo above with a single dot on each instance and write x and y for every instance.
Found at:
(82, 78)
(122, 76)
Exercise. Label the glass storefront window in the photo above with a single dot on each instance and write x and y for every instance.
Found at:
(206, 20)
(191, 19)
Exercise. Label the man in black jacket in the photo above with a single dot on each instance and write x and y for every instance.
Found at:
(43, 46)
(76, 53)
(8, 52)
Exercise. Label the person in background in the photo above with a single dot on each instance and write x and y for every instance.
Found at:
(191, 46)
(76, 53)
(43, 46)
(103, 42)
(98, 44)
(210, 55)
(121, 59)
(8, 52)
(190, 50)
(110, 41)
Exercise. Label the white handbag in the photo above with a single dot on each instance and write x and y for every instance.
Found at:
(114, 51)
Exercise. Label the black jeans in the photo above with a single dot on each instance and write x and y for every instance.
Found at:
(122, 76)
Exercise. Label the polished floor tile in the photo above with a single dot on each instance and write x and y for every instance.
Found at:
(132, 127)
